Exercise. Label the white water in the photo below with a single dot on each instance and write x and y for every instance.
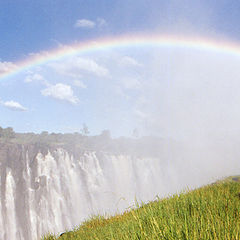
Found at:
(56, 191)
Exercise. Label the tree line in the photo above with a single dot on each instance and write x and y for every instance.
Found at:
(7, 133)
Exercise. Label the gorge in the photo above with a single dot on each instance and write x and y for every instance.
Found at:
(50, 189)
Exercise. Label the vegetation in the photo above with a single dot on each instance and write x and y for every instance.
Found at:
(82, 141)
(71, 141)
(211, 212)
(7, 133)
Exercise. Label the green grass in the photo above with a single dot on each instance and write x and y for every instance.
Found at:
(210, 212)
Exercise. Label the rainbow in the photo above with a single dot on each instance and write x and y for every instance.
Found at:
(121, 42)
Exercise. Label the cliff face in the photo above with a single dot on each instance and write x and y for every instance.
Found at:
(46, 189)
(50, 190)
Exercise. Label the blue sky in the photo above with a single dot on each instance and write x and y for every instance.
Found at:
(30, 26)
(167, 92)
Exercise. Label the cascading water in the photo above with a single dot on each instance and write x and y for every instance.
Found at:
(54, 190)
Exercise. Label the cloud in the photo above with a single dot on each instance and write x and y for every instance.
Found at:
(12, 105)
(101, 22)
(61, 92)
(131, 83)
(7, 67)
(76, 66)
(129, 61)
(79, 83)
(91, 66)
(35, 77)
(84, 23)
(41, 54)
(140, 114)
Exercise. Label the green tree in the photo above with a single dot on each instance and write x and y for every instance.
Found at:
(105, 134)
(1, 132)
(85, 130)
(8, 133)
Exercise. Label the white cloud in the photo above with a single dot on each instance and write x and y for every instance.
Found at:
(131, 83)
(42, 54)
(84, 23)
(6, 67)
(140, 114)
(91, 66)
(120, 92)
(101, 22)
(15, 106)
(75, 67)
(61, 92)
(129, 61)
(79, 83)
(35, 78)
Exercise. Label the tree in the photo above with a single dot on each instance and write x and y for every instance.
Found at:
(1, 132)
(85, 130)
(44, 133)
(135, 133)
(8, 133)
(105, 134)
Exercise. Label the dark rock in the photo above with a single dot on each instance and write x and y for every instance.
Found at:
(236, 179)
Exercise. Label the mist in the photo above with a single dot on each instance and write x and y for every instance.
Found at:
(159, 118)
(178, 93)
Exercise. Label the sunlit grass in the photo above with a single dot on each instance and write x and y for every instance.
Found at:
(211, 212)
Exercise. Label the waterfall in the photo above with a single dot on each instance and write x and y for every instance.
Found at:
(10, 201)
(52, 191)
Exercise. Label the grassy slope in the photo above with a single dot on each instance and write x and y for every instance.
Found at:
(211, 212)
